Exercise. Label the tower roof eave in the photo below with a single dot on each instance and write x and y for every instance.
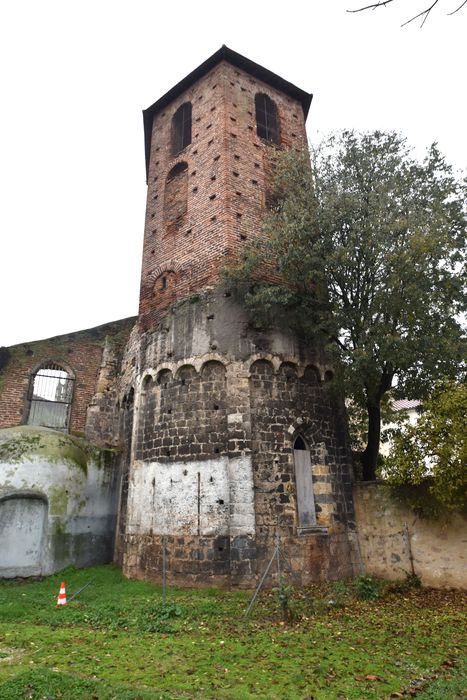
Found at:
(236, 59)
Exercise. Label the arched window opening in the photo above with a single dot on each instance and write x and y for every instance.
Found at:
(267, 120)
(181, 128)
(50, 395)
(175, 197)
(299, 444)
(304, 484)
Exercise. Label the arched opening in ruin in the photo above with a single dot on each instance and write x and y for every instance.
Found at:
(304, 484)
(50, 394)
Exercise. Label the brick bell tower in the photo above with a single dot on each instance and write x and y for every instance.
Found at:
(231, 433)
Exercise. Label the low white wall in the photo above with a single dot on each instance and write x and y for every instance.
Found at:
(58, 503)
(390, 534)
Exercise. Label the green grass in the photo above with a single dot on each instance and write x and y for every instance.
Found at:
(117, 640)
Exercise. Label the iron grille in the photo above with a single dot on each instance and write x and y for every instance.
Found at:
(267, 126)
(50, 396)
(181, 128)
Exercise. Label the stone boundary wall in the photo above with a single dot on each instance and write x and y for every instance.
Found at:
(390, 535)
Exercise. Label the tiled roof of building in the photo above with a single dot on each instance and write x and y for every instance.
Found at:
(405, 404)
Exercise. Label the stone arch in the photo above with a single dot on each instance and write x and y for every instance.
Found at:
(169, 266)
(311, 376)
(176, 197)
(213, 369)
(50, 395)
(289, 371)
(261, 366)
(50, 360)
(275, 362)
(146, 380)
(186, 373)
(164, 377)
(328, 375)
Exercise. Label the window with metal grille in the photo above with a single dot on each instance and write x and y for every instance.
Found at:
(181, 128)
(50, 395)
(267, 119)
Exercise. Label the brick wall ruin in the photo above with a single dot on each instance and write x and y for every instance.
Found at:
(80, 353)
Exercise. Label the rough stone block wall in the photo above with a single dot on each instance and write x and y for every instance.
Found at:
(184, 416)
(390, 534)
(81, 352)
(286, 404)
(213, 454)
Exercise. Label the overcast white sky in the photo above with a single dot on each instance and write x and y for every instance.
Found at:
(76, 76)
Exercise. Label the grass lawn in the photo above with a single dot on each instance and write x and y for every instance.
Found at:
(117, 640)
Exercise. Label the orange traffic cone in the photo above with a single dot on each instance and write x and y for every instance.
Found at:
(61, 600)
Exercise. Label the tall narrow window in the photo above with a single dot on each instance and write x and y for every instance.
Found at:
(267, 120)
(304, 484)
(50, 394)
(181, 128)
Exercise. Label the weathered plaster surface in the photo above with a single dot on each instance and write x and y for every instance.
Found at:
(53, 483)
(389, 534)
(213, 497)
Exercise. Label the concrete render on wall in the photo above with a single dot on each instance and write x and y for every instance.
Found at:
(389, 534)
(207, 498)
(57, 503)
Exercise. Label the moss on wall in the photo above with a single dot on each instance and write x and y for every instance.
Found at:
(27, 442)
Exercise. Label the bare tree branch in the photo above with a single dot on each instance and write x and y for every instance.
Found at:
(459, 8)
(423, 14)
(373, 6)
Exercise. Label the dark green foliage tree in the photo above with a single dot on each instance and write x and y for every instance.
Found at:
(365, 253)
(432, 454)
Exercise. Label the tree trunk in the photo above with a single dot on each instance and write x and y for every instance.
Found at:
(369, 457)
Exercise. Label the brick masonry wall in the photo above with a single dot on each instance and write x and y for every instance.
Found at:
(81, 353)
(226, 190)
